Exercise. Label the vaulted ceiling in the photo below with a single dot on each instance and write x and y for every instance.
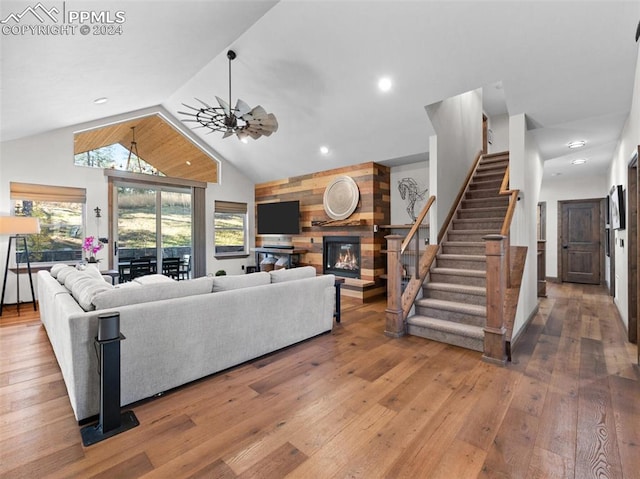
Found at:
(569, 66)
(156, 142)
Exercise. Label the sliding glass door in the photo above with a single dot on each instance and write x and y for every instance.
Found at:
(152, 223)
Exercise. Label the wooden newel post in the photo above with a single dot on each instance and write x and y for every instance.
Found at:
(494, 332)
(395, 323)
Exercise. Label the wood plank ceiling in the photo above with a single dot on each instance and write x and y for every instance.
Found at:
(159, 144)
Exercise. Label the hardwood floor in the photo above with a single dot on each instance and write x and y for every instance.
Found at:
(355, 403)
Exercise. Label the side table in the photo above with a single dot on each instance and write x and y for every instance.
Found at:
(338, 282)
(113, 273)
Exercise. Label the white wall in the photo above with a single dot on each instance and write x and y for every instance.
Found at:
(48, 159)
(628, 143)
(457, 122)
(499, 126)
(525, 174)
(561, 188)
(420, 173)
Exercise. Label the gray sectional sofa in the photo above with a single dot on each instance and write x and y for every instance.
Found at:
(176, 331)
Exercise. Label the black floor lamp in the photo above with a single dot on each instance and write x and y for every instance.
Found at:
(16, 227)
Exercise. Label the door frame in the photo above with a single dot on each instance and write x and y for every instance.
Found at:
(633, 200)
(602, 205)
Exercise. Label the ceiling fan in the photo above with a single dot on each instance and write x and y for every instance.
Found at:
(242, 120)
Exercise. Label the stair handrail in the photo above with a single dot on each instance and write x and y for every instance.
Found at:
(416, 225)
(463, 189)
(423, 263)
(513, 199)
(399, 302)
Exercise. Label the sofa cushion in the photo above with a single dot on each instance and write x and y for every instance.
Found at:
(77, 275)
(282, 275)
(86, 288)
(64, 272)
(151, 292)
(56, 268)
(227, 283)
(153, 279)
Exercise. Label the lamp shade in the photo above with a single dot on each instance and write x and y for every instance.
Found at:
(19, 225)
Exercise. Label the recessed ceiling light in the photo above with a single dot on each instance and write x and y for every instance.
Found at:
(101, 100)
(384, 84)
(577, 144)
(324, 150)
(579, 161)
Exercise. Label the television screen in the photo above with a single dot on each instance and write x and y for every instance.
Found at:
(281, 218)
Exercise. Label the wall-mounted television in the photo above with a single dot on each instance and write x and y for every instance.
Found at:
(282, 218)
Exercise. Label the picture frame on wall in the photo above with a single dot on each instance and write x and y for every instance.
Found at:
(616, 196)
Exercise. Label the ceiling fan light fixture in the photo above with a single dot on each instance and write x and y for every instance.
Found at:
(241, 120)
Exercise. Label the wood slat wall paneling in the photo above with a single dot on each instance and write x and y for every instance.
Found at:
(374, 208)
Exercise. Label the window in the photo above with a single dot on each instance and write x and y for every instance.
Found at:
(230, 225)
(61, 211)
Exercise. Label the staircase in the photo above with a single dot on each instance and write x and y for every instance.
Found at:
(453, 304)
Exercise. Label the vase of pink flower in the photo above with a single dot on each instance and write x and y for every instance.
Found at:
(92, 245)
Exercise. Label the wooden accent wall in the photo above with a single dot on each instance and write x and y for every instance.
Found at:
(374, 208)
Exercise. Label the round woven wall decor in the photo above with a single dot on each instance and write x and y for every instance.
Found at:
(341, 198)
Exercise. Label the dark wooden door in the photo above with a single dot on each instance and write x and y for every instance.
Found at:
(580, 241)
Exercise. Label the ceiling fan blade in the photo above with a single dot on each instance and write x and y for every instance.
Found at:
(273, 122)
(242, 108)
(189, 106)
(198, 99)
(224, 106)
(255, 134)
(241, 134)
(258, 112)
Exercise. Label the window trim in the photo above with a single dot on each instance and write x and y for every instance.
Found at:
(39, 193)
(232, 207)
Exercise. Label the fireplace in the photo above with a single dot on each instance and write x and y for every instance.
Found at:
(341, 256)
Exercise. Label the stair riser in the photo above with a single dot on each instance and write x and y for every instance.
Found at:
(471, 213)
(468, 236)
(461, 264)
(499, 202)
(488, 224)
(453, 316)
(451, 248)
(448, 338)
(465, 298)
(497, 168)
(459, 279)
